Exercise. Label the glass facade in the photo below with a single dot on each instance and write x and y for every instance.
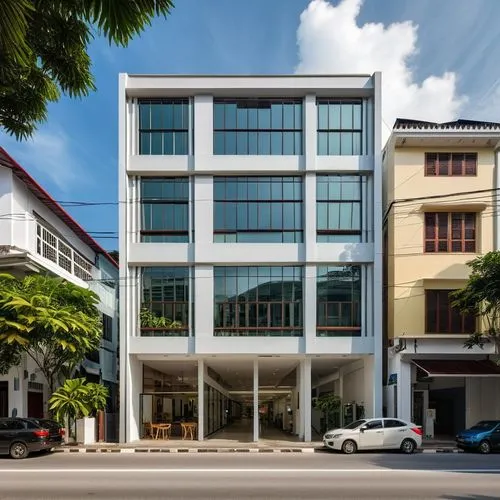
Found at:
(339, 301)
(258, 126)
(258, 301)
(258, 209)
(164, 126)
(165, 302)
(338, 208)
(165, 210)
(340, 126)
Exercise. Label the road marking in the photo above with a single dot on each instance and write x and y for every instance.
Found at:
(258, 471)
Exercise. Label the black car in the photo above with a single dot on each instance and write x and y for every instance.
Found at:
(56, 430)
(21, 436)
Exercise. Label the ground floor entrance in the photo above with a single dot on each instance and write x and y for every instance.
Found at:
(244, 398)
(443, 395)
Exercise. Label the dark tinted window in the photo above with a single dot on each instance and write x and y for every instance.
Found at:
(393, 423)
(373, 424)
(354, 425)
(15, 425)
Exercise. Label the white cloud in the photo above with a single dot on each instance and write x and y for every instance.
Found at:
(331, 41)
(47, 156)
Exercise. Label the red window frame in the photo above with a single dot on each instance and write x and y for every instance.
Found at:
(450, 164)
(450, 232)
(441, 317)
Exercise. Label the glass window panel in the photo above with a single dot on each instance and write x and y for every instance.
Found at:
(264, 216)
(242, 217)
(288, 190)
(277, 116)
(334, 143)
(156, 116)
(219, 189)
(276, 190)
(242, 189)
(242, 143)
(144, 116)
(298, 143)
(322, 216)
(288, 143)
(156, 143)
(276, 216)
(253, 188)
(298, 216)
(346, 117)
(230, 116)
(322, 116)
(231, 188)
(264, 143)
(168, 143)
(345, 216)
(168, 116)
(219, 215)
(219, 143)
(298, 115)
(253, 122)
(264, 189)
(356, 143)
(230, 143)
(288, 215)
(334, 117)
(288, 116)
(334, 216)
(253, 215)
(242, 118)
(253, 148)
(145, 143)
(178, 116)
(356, 116)
(346, 143)
(264, 118)
(276, 143)
(180, 146)
(219, 111)
(322, 143)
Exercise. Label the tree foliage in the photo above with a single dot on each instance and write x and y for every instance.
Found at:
(52, 321)
(43, 50)
(481, 297)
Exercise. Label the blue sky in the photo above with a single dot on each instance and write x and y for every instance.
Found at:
(74, 155)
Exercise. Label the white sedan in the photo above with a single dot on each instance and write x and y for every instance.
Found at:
(375, 434)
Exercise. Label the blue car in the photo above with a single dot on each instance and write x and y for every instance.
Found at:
(483, 437)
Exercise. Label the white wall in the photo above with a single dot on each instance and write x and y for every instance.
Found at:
(5, 206)
(482, 399)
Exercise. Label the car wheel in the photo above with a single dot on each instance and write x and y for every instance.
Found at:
(484, 447)
(18, 451)
(349, 447)
(408, 446)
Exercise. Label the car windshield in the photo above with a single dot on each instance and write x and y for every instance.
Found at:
(354, 425)
(484, 426)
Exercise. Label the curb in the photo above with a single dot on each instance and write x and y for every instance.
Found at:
(183, 450)
(73, 449)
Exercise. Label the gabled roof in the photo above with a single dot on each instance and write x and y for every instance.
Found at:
(7, 161)
(407, 124)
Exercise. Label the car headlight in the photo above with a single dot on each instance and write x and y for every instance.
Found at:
(331, 435)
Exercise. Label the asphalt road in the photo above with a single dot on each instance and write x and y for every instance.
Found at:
(244, 476)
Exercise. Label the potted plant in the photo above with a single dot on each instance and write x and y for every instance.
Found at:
(150, 321)
(77, 402)
(69, 403)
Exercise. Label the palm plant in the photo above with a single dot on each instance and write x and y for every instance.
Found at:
(70, 401)
(97, 397)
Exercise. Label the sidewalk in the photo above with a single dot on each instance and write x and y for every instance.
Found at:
(228, 446)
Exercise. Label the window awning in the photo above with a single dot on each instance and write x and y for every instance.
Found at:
(458, 368)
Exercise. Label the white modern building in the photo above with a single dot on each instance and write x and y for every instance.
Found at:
(251, 218)
(38, 236)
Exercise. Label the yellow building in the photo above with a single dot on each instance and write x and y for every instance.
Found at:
(441, 188)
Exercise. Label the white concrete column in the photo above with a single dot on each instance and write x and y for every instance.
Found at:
(298, 425)
(256, 400)
(310, 300)
(203, 213)
(404, 390)
(372, 390)
(203, 307)
(134, 383)
(306, 399)
(203, 128)
(201, 399)
(310, 131)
